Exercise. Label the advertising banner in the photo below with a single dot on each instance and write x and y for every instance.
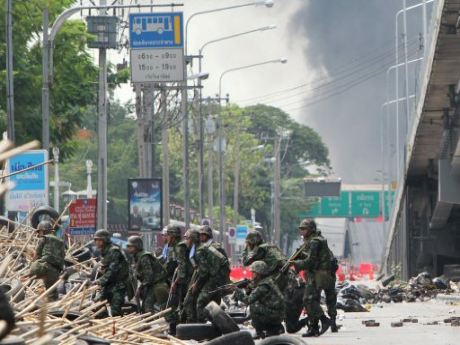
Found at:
(83, 217)
(145, 205)
(31, 186)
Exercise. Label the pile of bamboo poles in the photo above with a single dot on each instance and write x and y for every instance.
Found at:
(75, 314)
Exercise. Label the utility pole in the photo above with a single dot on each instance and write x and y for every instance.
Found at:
(277, 192)
(148, 130)
(56, 177)
(221, 149)
(237, 180)
(102, 135)
(46, 83)
(9, 69)
(184, 105)
(165, 144)
(200, 143)
(211, 182)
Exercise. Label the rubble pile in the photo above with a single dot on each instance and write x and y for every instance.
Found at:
(353, 297)
(75, 318)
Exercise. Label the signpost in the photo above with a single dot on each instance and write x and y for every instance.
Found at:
(157, 47)
(241, 233)
(31, 187)
(83, 217)
(351, 204)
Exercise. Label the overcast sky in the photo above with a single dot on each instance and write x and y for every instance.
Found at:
(338, 53)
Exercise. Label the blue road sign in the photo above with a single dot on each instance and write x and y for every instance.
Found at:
(241, 233)
(156, 30)
(34, 179)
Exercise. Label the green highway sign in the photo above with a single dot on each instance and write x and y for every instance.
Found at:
(350, 204)
(365, 204)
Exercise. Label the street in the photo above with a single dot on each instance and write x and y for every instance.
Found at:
(354, 332)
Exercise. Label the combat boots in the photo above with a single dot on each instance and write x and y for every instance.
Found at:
(334, 328)
(172, 328)
(325, 324)
(313, 329)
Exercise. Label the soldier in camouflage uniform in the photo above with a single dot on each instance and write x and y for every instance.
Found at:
(317, 260)
(266, 302)
(49, 257)
(178, 270)
(290, 283)
(206, 239)
(114, 272)
(211, 267)
(151, 275)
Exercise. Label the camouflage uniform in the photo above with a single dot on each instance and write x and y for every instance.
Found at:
(49, 254)
(115, 274)
(316, 259)
(212, 269)
(152, 276)
(266, 305)
(289, 283)
(179, 269)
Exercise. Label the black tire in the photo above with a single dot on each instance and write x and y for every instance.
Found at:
(82, 254)
(220, 318)
(12, 340)
(71, 315)
(283, 340)
(197, 331)
(240, 338)
(11, 287)
(42, 211)
(94, 340)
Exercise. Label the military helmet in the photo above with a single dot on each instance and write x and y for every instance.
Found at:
(136, 242)
(259, 267)
(173, 230)
(308, 223)
(206, 230)
(45, 225)
(102, 235)
(254, 237)
(194, 235)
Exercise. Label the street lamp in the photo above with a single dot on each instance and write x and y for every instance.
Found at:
(266, 3)
(220, 138)
(200, 111)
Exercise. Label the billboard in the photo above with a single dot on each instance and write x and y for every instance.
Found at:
(145, 204)
(31, 186)
(83, 217)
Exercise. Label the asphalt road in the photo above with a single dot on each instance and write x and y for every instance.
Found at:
(354, 332)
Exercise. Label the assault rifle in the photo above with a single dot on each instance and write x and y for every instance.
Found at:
(289, 261)
(239, 284)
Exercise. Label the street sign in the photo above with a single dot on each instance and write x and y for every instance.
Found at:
(231, 235)
(351, 204)
(241, 233)
(365, 204)
(157, 47)
(31, 187)
(83, 217)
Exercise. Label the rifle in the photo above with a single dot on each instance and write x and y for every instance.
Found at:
(171, 288)
(188, 295)
(239, 284)
(289, 261)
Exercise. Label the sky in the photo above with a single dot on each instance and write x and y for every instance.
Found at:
(334, 81)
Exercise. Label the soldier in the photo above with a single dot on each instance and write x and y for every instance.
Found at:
(206, 238)
(114, 272)
(317, 261)
(210, 266)
(289, 283)
(48, 258)
(153, 288)
(266, 302)
(178, 270)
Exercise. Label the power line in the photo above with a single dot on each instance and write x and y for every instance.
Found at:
(346, 68)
